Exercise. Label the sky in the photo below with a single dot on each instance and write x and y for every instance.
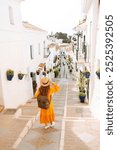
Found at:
(52, 15)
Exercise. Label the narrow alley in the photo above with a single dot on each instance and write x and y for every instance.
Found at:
(75, 129)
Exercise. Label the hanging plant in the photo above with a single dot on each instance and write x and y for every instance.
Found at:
(50, 70)
(9, 74)
(20, 76)
(47, 71)
(98, 73)
(87, 74)
(44, 73)
(38, 72)
(54, 67)
(31, 74)
(56, 73)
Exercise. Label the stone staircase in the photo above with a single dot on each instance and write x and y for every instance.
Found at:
(15, 123)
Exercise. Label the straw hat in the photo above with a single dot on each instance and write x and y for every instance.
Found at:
(44, 81)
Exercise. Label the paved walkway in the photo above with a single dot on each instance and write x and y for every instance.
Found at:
(15, 124)
(76, 128)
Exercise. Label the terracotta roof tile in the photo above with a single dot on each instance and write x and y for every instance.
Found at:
(41, 65)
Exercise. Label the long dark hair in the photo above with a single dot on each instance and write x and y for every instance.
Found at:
(44, 90)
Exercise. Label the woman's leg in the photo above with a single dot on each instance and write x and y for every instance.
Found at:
(47, 126)
(52, 124)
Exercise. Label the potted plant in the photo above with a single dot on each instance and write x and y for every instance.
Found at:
(37, 72)
(68, 67)
(54, 67)
(98, 73)
(31, 74)
(44, 73)
(50, 70)
(47, 71)
(63, 64)
(56, 72)
(86, 73)
(82, 96)
(20, 76)
(82, 91)
(9, 74)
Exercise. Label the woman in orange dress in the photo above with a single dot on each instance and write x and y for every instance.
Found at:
(48, 88)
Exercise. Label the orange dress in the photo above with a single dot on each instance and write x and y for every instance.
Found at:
(47, 115)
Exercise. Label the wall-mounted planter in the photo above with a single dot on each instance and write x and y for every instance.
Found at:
(56, 73)
(50, 70)
(38, 72)
(9, 74)
(31, 74)
(70, 70)
(87, 74)
(44, 73)
(47, 71)
(9, 77)
(98, 74)
(20, 76)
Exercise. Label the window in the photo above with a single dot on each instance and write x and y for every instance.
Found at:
(39, 48)
(11, 15)
(31, 52)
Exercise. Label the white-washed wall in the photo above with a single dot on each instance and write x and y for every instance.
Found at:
(15, 92)
(16, 55)
(92, 29)
(4, 14)
(34, 38)
(15, 44)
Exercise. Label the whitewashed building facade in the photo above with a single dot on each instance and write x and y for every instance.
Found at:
(89, 28)
(91, 9)
(22, 48)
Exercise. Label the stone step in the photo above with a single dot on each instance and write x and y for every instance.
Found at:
(26, 117)
(29, 109)
(1, 108)
(9, 131)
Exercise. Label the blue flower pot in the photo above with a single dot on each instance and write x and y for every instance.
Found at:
(87, 75)
(82, 99)
(9, 77)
